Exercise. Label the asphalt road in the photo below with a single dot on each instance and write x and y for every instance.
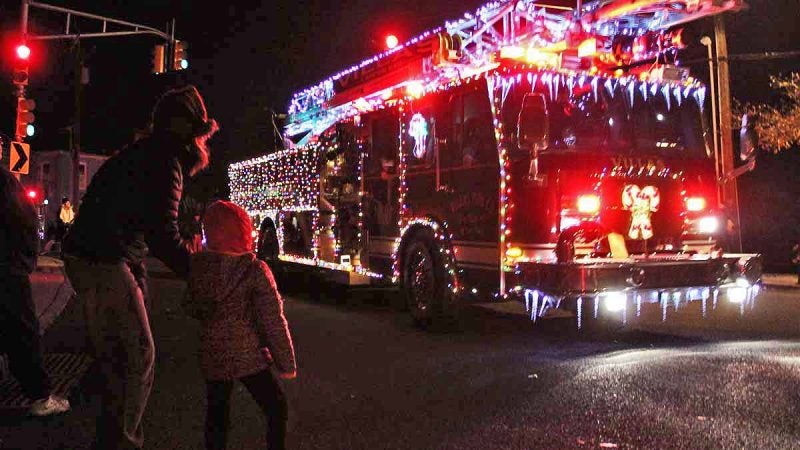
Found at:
(368, 379)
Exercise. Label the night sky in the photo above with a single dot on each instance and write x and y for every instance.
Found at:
(247, 57)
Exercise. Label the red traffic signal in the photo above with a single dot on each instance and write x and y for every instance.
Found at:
(23, 52)
(32, 194)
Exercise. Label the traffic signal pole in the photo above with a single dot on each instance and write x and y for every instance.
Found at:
(127, 29)
(23, 26)
(75, 131)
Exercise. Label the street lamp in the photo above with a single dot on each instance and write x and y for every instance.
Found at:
(706, 41)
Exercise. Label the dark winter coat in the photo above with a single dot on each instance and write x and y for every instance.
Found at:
(244, 329)
(17, 227)
(131, 207)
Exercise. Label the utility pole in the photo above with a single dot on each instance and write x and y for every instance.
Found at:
(730, 194)
(75, 132)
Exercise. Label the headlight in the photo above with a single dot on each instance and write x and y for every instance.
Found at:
(615, 301)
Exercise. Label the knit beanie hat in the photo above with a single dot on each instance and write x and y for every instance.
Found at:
(184, 102)
(228, 228)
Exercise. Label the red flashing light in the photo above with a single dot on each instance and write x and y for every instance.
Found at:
(588, 204)
(391, 41)
(32, 194)
(695, 204)
(23, 52)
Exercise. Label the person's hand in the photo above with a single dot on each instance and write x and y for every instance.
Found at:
(288, 375)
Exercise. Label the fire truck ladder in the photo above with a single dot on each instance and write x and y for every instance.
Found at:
(466, 46)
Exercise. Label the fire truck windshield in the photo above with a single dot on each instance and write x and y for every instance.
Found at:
(585, 118)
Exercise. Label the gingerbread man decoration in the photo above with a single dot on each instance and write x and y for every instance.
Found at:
(641, 203)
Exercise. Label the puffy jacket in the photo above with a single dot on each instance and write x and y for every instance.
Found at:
(17, 227)
(243, 329)
(131, 207)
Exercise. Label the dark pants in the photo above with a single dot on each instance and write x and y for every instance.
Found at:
(119, 330)
(269, 395)
(19, 335)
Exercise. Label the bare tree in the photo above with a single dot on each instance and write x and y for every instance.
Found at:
(778, 126)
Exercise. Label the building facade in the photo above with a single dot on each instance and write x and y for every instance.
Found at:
(51, 175)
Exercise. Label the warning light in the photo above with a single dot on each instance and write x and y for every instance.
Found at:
(23, 51)
(391, 41)
(695, 204)
(587, 48)
(32, 194)
(588, 204)
(415, 89)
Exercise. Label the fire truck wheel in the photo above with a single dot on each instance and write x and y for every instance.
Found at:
(424, 284)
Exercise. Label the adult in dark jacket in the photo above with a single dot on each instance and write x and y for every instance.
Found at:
(19, 326)
(130, 210)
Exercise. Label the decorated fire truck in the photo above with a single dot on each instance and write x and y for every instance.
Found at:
(553, 155)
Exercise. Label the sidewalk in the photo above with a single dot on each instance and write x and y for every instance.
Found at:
(52, 293)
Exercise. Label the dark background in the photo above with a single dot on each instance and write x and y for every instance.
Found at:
(247, 57)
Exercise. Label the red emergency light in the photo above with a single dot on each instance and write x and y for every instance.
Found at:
(391, 41)
(588, 204)
(695, 204)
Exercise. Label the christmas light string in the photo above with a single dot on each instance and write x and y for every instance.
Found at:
(289, 180)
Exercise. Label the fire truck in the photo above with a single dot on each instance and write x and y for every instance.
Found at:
(553, 155)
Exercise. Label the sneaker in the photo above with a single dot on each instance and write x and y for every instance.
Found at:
(49, 406)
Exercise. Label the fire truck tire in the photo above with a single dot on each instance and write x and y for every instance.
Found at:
(424, 283)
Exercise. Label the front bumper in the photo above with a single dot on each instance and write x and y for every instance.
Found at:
(619, 284)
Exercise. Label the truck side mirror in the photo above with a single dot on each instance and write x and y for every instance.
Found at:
(533, 123)
(748, 137)
(533, 127)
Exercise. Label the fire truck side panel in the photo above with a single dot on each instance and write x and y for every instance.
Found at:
(452, 177)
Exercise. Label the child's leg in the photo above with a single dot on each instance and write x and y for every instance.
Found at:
(269, 395)
(218, 394)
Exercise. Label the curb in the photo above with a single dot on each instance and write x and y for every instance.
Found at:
(781, 287)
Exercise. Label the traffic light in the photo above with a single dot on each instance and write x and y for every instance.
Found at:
(25, 117)
(20, 76)
(180, 59)
(23, 52)
(159, 51)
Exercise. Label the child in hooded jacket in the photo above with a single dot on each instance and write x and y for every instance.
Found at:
(244, 332)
